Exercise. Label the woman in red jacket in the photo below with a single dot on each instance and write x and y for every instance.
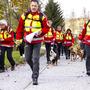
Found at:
(68, 42)
(6, 44)
(85, 36)
(48, 39)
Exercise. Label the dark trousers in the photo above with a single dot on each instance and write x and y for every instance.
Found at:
(9, 56)
(87, 50)
(59, 46)
(21, 49)
(67, 52)
(0, 60)
(48, 48)
(62, 50)
(82, 45)
(32, 55)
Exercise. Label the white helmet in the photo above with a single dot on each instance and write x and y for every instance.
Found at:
(3, 21)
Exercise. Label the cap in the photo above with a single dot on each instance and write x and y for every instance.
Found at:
(3, 21)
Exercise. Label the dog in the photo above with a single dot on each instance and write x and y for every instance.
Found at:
(72, 54)
(76, 52)
(80, 53)
(53, 57)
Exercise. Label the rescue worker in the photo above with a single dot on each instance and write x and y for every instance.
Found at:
(49, 40)
(32, 21)
(85, 36)
(68, 42)
(6, 44)
(59, 39)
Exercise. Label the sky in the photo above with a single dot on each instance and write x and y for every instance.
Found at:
(76, 6)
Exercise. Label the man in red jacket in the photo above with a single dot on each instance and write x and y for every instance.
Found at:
(85, 36)
(6, 44)
(59, 39)
(30, 22)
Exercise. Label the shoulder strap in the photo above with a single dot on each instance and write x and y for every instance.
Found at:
(40, 18)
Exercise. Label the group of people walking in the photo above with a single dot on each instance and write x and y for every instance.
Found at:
(35, 21)
(58, 40)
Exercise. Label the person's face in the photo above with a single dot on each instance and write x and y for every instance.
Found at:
(69, 31)
(59, 28)
(2, 26)
(50, 22)
(34, 6)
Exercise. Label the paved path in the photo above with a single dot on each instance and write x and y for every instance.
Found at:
(66, 76)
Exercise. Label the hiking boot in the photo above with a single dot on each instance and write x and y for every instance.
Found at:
(12, 68)
(2, 70)
(88, 73)
(35, 82)
(48, 62)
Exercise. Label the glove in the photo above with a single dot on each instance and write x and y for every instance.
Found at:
(18, 42)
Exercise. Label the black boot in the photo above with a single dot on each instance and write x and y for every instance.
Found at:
(12, 68)
(35, 81)
(88, 73)
(2, 70)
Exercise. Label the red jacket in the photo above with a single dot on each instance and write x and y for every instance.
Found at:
(68, 41)
(49, 36)
(85, 35)
(21, 29)
(8, 39)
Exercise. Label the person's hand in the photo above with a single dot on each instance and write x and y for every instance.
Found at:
(18, 42)
(72, 44)
(1, 39)
(38, 33)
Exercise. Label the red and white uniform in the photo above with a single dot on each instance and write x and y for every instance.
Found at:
(59, 37)
(85, 34)
(32, 24)
(7, 38)
(68, 39)
(49, 36)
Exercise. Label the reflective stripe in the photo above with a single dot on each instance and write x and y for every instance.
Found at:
(88, 40)
(4, 35)
(59, 36)
(67, 42)
(88, 31)
(35, 39)
(1, 36)
(32, 27)
(49, 34)
(33, 23)
(7, 45)
(48, 41)
(68, 37)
